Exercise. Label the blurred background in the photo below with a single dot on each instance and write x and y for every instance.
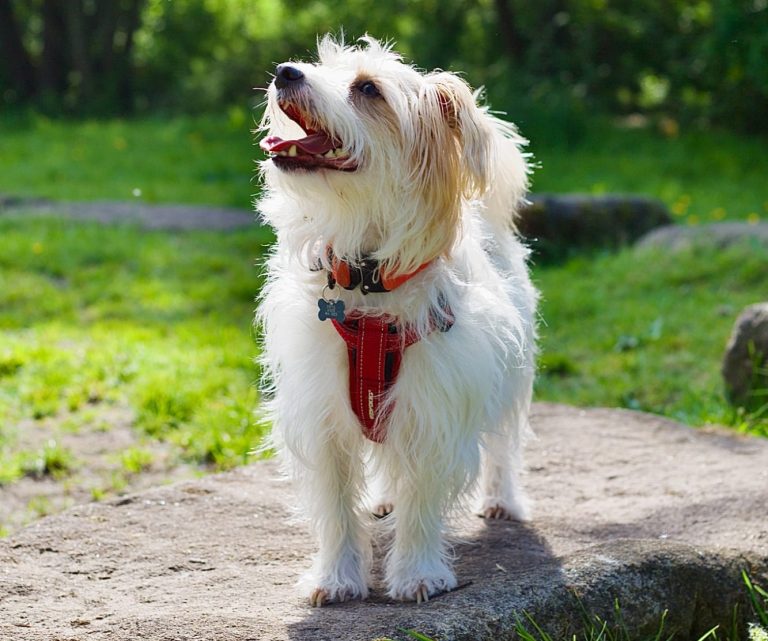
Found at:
(127, 355)
(698, 63)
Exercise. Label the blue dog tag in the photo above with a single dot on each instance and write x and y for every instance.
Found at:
(330, 309)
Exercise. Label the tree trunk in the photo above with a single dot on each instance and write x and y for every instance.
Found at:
(513, 42)
(54, 65)
(131, 21)
(74, 16)
(107, 16)
(15, 58)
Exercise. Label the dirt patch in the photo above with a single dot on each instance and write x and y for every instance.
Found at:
(148, 216)
(627, 506)
(104, 457)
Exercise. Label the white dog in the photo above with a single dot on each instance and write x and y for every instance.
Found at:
(398, 315)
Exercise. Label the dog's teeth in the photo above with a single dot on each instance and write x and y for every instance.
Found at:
(293, 151)
(282, 153)
(330, 153)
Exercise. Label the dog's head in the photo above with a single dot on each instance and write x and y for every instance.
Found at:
(383, 154)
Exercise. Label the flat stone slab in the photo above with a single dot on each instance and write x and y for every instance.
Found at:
(627, 505)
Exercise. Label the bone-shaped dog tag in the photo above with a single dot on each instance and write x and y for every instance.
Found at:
(330, 309)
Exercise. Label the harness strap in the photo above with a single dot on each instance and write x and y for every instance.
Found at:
(375, 347)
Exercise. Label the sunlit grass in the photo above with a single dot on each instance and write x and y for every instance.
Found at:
(181, 159)
(703, 176)
(135, 460)
(647, 330)
(159, 322)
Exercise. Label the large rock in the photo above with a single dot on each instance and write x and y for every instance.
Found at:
(745, 364)
(627, 505)
(558, 225)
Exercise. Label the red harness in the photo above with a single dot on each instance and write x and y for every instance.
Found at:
(375, 347)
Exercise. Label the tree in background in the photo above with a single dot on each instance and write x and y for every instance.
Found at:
(695, 61)
(75, 54)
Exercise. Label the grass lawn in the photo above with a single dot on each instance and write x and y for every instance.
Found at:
(647, 330)
(701, 176)
(156, 327)
(186, 159)
(99, 324)
(92, 314)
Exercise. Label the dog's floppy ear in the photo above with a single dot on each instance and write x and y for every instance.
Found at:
(471, 126)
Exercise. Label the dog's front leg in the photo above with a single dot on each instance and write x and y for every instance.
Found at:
(332, 487)
(417, 563)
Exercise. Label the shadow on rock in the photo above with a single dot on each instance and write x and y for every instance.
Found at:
(498, 563)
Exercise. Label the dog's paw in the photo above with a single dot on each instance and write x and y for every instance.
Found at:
(493, 509)
(421, 588)
(332, 581)
(321, 596)
(499, 513)
(380, 510)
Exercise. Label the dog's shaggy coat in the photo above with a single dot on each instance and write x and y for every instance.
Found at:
(416, 173)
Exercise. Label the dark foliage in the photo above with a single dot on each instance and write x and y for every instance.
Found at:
(689, 61)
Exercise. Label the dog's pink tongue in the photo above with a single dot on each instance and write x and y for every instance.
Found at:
(318, 143)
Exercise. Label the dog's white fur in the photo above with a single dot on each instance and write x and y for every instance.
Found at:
(438, 178)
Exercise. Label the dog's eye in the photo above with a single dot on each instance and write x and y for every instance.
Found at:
(368, 88)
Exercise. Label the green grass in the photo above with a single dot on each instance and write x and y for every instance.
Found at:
(135, 460)
(702, 176)
(183, 159)
(162, 323)
(647, 330)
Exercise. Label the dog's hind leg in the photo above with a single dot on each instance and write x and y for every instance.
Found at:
(502, 493)
(341, 567)
(383, 490)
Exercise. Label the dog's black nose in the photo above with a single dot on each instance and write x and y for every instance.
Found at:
(286, 75)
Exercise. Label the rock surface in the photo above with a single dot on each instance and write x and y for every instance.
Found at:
(627, 505)
(556, 225)
(745, 364)
(677, 237)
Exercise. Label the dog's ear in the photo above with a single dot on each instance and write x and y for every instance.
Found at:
(470, 125)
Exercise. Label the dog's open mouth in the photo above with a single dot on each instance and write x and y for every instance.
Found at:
(317, 150)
